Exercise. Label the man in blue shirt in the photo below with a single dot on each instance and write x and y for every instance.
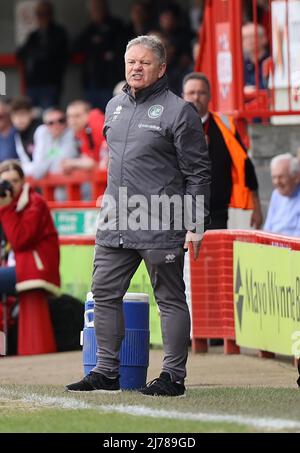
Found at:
(284, 210)
(7, 134)
(254, 48)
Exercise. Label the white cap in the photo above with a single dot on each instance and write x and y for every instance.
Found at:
(90, 296)
(136, 297)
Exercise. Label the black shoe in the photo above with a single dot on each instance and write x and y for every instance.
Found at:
(163, 386)
(95, 382)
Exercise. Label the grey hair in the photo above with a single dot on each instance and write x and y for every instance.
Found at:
(150, 42)
(197, 76)
(294, 164)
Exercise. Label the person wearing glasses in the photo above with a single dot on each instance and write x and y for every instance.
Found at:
(234, 181)
(87, 125)
(54, 142)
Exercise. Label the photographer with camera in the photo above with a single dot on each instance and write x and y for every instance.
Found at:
(28, 227)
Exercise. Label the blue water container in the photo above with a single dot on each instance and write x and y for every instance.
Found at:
(134, 354)
(89, 338)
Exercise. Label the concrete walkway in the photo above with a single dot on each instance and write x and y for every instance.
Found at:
(213, 369)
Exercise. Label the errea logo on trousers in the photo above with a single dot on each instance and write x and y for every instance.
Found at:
(155, 111)
(169, 259)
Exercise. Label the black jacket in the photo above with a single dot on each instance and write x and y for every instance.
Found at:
(45, 56)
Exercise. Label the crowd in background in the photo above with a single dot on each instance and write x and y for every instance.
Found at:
(47, 139)
(102, 43)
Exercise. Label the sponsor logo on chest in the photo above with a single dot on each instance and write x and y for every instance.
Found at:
(155, 111)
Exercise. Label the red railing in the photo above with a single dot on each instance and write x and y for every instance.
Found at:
(72, 184)
(212, 285)
(221, 58)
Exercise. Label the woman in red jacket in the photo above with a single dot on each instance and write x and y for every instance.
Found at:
(28, 227)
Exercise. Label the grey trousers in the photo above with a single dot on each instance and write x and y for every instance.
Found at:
(113, 270)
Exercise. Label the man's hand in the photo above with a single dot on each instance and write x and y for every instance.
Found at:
(5, 201)
(257, 216)
(256, 219)
(195, 239)
(67, 166)
(77, 163)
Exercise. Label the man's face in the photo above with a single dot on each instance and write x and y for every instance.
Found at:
(56, 123)
(21, 119)
(78, 117)
(167, 21)
(97, 11)
(43, 15)
(13, 177)
(250, 34)
(142, 68)
(197, 92)
(282, 180)
(138, 14)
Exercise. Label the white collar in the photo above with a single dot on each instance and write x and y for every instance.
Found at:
(205, 118)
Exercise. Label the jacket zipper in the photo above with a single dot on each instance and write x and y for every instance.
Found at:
(121, 242)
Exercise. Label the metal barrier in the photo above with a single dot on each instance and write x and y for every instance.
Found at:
(212, 285)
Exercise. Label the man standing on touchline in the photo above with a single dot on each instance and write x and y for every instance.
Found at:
(156, 147)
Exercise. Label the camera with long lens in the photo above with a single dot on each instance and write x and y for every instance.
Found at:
(5, 186)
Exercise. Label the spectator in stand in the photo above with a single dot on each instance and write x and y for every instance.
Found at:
(196, 15)
(102, 43)
(263, 14)
(284, 209)
(45, 55)
(54, 142)
(7, 133)
(140, 16)
(174, 30)
(175, 72)
(249, 32)
(87, 125)
(28, 227)
(26, 124)
(234, 181)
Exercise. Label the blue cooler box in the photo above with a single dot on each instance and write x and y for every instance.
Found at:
(134, 354)
(89, 339)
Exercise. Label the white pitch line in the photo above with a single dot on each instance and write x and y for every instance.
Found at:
(143, 411)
